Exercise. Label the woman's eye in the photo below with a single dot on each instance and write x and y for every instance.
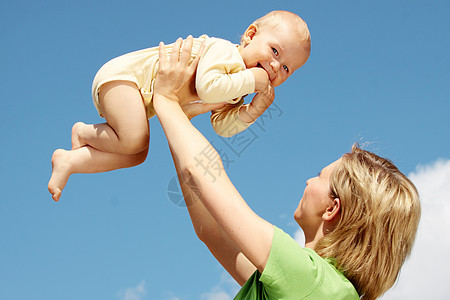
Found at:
(285, 68)
(275, 51)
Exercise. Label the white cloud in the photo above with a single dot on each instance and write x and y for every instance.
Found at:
(170, 296)
(425, 273)
(299, 237)
(226, 289)
(216, 295)
(133, 293)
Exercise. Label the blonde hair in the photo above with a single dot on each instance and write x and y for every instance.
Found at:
(380, 212)
(277, 17)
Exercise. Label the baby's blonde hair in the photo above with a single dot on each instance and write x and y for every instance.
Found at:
(277, 17)
(380, 212)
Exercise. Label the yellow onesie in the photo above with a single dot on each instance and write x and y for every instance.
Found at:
(221, 77)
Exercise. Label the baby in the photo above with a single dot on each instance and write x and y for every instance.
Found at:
(271, 49)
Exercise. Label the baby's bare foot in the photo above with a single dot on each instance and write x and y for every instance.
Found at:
(77, 142)
(60, 173)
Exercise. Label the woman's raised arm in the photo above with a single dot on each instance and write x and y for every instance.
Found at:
(207, 179)
(211, 233)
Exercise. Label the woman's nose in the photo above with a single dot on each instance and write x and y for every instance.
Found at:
(310, 180)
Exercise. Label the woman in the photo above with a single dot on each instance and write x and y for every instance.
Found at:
(359, 216)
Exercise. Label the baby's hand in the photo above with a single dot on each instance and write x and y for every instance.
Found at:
(261, 79)
(260, 102)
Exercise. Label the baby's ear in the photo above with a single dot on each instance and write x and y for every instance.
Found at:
(250, 34)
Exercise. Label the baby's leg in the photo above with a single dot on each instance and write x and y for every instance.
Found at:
(120, 143)
(126, 130)
(87, 160)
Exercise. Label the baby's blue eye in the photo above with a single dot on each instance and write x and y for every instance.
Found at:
(275, 51)
(285, 68)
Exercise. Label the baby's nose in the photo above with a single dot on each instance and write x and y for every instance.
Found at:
(275, 65)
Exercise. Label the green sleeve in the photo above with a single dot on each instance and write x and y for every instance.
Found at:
(295, 272)
(291, 272)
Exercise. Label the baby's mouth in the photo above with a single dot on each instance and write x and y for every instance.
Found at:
(260, 66)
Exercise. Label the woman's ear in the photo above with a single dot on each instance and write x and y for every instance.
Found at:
(249, 34)
(333, 210)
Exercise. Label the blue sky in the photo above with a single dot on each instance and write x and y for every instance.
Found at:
(378, 73)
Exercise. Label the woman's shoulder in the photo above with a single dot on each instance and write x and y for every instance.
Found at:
(288, 254)
(301, 272)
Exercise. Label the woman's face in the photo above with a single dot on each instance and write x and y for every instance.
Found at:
(316, 198)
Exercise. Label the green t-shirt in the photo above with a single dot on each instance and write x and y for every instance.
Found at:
(294, 272)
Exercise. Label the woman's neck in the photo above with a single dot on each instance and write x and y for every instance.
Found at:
(312, 237)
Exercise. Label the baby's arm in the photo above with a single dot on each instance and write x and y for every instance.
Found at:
(226, 120)
(235, 118)
(221, 75)
(261, 101)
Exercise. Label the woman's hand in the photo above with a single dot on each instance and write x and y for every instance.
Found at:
(176, 78)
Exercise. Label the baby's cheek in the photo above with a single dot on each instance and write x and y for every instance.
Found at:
(277, 81)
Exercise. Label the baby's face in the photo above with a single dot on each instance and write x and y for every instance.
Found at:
(277, 50)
